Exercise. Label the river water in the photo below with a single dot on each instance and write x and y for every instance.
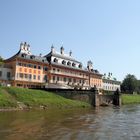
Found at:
(103, 123)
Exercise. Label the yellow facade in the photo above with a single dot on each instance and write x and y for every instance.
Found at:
(32, 71)
(96, 80)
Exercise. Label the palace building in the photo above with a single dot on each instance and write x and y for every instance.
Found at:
(26, 70)
(110, 83)
(54, 70)
(65, 71)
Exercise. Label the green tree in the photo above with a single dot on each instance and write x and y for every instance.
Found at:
(1, 59)
(129, 84)
(138, 86)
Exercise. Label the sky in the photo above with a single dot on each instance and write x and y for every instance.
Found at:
(107, 32)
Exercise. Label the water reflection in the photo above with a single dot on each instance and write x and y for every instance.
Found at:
(109, 123)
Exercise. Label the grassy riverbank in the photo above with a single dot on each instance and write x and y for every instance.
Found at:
(29, 98)
(130, 99)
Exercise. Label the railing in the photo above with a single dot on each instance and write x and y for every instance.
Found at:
(68, 74)
(30, 80)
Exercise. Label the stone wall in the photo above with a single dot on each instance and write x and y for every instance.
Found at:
(89, 96)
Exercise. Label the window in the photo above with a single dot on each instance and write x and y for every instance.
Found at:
(38, 77)
(34, 66)
(21, 75)
(32, 57)
(34, 77)
(34, 71)
(39, 67)
(30, 70)
(0, 73)
(53, 69)
(69, 63)
(23, 55)
(80, 66)
(30, 76)
(73, 64)
(65, 79)
(45, 78)
(69, 79)
(25, 70)
(8, 74)
(45, 68)
(64, 62)
(58, 70)
(57, 78)
(20, 69)
(26, 76)
(74, 80)
(24, 65)
(30, 65)
(53, 78)
(38, 72)
(55, 60)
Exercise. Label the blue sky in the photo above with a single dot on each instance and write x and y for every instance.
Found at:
(104, 31)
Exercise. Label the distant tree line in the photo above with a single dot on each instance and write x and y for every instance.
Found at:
(130, 84)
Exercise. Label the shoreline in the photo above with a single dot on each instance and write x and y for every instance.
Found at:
(12, 98)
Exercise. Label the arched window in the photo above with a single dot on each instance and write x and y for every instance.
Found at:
(32, 57)
(55, 60)
(80, 66)
(23, 55)
(64, 62)
(73, 64)
(69, 63)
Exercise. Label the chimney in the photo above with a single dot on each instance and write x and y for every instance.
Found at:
(89, 65)
(52, 49)
(70, 53)
(62, 50)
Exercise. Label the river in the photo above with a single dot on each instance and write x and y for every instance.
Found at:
(103, 123)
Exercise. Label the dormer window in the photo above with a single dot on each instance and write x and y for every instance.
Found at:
(69, 63)
(55, 60)
(64, 62)
(80, 66)
(92, 70)
(96, 71)
(32, 57)
(73, 64)
(23, 55)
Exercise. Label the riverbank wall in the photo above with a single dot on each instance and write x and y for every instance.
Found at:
(90, 96)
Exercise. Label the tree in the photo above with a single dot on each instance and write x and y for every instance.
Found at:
(1, 59)
(129, 84)
(138, 86)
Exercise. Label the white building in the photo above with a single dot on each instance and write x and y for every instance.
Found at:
(5, 76)
(110, 83)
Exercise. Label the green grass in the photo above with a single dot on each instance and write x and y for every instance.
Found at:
(6, 100)
(35, 98)
(130, 99)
